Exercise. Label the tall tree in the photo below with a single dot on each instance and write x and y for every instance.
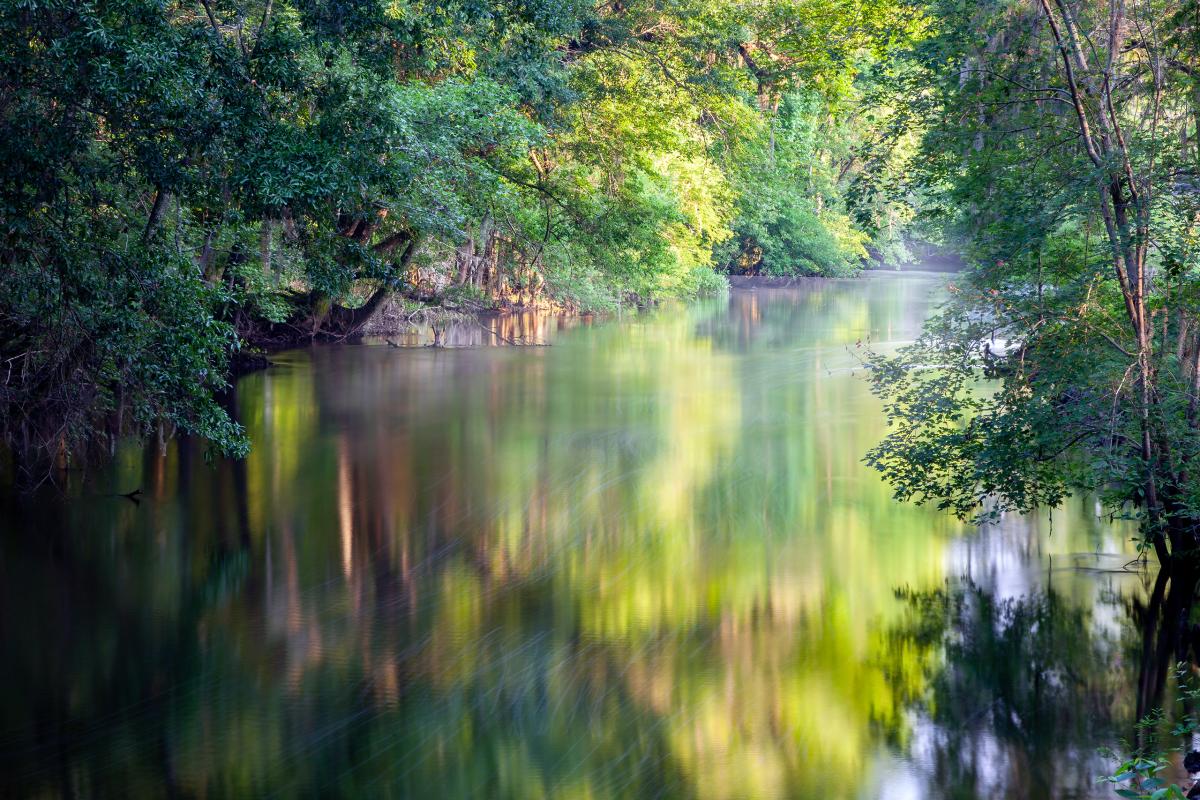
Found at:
(1061, 158)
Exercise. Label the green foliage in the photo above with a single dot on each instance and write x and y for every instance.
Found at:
(1138, 779)
(1089, 393)
(964, 445)
(793, 186)
(1139, 767)
(1013, 399)
(181, 179)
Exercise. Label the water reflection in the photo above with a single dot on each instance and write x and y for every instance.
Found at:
(527, 327)
(1020, 692)
(643, 562)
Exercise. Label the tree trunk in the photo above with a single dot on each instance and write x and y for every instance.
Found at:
(264, 246)
(161, 197)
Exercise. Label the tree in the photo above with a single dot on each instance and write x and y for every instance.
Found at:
(186, 180)
(1061, 157)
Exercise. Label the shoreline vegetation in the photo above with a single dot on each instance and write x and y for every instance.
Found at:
(1064, 146)
(184, 185)
(397, 316)
(394, 316)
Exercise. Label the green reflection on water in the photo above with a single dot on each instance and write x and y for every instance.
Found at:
(644, 562)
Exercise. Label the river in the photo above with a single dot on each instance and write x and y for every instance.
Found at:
(644, 561)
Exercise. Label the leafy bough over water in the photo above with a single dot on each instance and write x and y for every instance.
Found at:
(1059, 415)
(1083, 248)
(973, 448)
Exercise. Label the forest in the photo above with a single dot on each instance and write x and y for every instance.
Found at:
(186, 182)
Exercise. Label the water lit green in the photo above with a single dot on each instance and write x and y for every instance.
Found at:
(643, 562)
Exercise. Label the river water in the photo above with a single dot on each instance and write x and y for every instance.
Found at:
(645, 561)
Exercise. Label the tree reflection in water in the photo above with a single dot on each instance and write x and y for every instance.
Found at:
(644, 562)
(1023, 692)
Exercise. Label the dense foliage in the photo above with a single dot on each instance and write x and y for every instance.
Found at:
(179, 178)
(1063, 154)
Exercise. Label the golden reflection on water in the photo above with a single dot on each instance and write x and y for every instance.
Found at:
(644, 562)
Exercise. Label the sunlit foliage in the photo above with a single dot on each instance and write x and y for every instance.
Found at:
(183, 179)
(1061, 156)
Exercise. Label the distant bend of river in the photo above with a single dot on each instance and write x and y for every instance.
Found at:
(643, 562)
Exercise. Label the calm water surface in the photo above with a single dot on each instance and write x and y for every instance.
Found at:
(643, 562)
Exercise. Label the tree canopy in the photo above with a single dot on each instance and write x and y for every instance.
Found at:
(183, 179)
(1061, 154)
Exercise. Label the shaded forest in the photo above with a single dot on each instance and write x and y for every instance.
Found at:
(183, 182)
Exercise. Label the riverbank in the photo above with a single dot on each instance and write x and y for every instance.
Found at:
(770, 282)
(405, 322)
(455, 324)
